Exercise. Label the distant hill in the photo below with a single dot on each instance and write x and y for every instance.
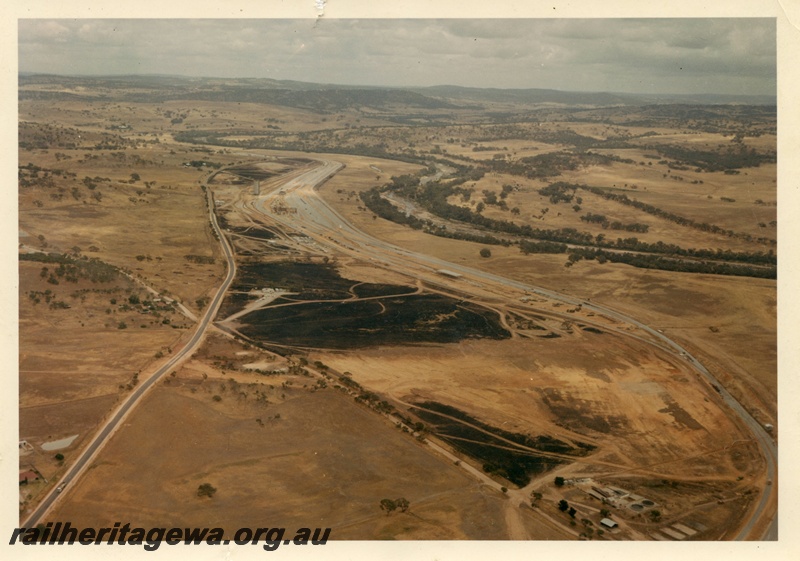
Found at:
(153, 89)
(331, 97)
(321, 100)
(527, 96)
(541, 96)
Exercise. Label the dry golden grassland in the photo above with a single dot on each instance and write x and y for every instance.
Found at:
(82, 343)
(279, 454)
(283, 449)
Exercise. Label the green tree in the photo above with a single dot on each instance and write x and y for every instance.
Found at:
(559, 481)
(563, 505)
(402, 503)
(388, 505)
(486, 252)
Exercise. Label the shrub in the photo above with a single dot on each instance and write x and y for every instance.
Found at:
(206, 490)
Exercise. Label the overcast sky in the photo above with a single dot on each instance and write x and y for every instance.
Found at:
(731, 56)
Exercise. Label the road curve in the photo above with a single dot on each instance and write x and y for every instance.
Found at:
(102, 437)
(315, 217)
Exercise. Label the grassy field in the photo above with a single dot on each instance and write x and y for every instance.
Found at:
(296, 457)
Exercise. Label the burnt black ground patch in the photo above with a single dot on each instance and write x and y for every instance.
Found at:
(232, 303)
(515, 467)
(292, 276)
(494, 447)
(325, 310)
(542, 442)
(258, 233)
(580, 415)
(414, 319)
(368, 290)
(250, 231)
(309, 281)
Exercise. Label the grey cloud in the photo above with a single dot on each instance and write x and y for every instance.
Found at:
(488, 28)
(681, 55)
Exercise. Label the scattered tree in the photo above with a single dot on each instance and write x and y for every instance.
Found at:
(388, 505)
(206, 490)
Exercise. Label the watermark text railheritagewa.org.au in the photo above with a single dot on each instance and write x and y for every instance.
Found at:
(151, 539)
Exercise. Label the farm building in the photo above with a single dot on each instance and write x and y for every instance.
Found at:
(28, 476)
